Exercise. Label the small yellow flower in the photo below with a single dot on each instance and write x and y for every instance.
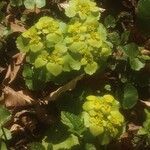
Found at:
(103, 117)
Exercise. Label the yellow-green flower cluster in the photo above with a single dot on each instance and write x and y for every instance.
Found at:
(59, 47)
(82, 9)
(102, 117)
(88, 39)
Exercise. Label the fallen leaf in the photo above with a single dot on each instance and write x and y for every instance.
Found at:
(14, 68)
(21, 113)
(16, 27)
(147, 103)
(14, 98)
(67, 87)
(16, 128)
(2, 69)
(132, 127)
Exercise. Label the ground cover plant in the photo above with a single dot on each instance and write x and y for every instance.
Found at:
(74, 74)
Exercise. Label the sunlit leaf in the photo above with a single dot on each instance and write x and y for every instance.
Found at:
(36, 47)
(53, 38)
(5, 133)
(70, 12)
(71, 141)
(75, 65)
(54, 69)
(22, 44)
(31, 4)
(3, 146)
(40, 62)
(91, 68)
(136, 64)
(5, 115)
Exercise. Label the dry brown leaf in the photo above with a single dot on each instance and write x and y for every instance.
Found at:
(67, 87)
(22, 113)
(2, 69)
(17, 27)
(15, 67)
(147, 103)
(16, 128)
(132, 127)
(14, 98)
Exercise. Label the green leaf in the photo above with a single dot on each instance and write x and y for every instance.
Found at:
(75, 65)
(40, 62)
(50, 146)
(77, 46)
(36, 146)
(91, 68)
(71, 141)
(144, 57)
(27, 72)
(143, 16)
(54, 69)
(146, 124)
(130, 96)
(143, 8)
(105, 139)
(110, 21)
(6, 132)
(107, 87)
(74, 122)
(125, 37)
(102, 32)
(16, 3)
(29, 84)
(3, 146)
(5, 115)
(70, 12)
(40, 3)
(131, 50)
(61, 47)
(114, 38)
(136, 64)
(89, 146)
(53, 38)
(30, 4)
(142, 131)
(36, 47)
(22, 44)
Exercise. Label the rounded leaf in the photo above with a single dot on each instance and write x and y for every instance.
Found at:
(54, 69)
(40, 62)
(91, 68)
(130, 96)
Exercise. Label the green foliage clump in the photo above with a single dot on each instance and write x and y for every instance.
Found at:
(102, 117)
(79, 45)
(145, 130)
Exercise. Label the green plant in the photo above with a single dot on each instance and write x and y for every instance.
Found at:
(102, 117)
(5, 134)
(145, 130)
(57, 47)
(29, 4)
